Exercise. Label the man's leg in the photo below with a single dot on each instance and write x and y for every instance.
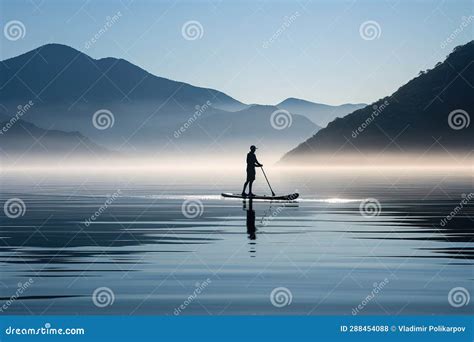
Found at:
(250, 187)
(245, 186)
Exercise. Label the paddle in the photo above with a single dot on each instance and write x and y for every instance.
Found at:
(273, 194)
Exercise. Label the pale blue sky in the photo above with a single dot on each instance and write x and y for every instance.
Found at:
(319, 56)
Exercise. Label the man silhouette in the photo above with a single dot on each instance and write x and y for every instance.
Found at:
(252, 162)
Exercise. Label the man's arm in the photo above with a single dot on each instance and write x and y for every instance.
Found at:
(257, 164)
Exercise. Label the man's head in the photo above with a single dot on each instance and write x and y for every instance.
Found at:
(252, 148)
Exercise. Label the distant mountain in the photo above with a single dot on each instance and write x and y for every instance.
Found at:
(139, 111)
(431, 113)
(56, 73)
(268, 127)
(23, 139)
(320, 114)
(68, 87)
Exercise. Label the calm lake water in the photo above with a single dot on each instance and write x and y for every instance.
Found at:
(168, 244)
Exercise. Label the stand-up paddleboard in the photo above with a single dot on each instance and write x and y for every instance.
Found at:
(289, 197)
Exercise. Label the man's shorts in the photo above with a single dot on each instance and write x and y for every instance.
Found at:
(250, 175)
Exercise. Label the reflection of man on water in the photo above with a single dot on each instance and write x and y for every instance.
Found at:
(251, 230)
(252, 162)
